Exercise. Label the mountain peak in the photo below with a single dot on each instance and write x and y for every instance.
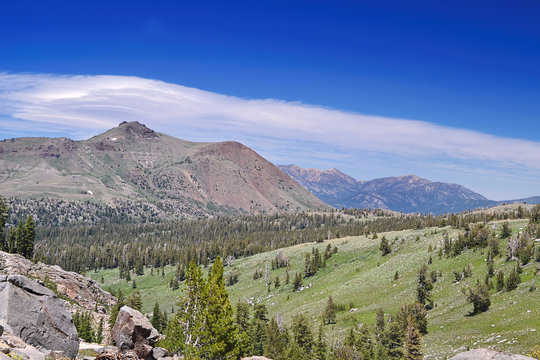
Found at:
(407, 193)
(126, 130)
(135, 128)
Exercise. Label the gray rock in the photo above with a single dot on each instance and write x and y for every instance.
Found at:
(30, 353)
(4, 356)
(488, 354)
(133, 331)
(158, 353)
(36, 315)
(1, 330)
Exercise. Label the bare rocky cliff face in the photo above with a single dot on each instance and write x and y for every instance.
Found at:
(132, 163)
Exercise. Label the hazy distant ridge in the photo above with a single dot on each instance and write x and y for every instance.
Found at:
(407, 193)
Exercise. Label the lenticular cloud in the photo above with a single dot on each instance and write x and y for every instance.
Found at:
(88, 104)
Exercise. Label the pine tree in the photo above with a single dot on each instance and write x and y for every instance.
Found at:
(424, 287)
(258, 329)
(3, 219)
(184, 331)
(513, 280)
(242, 323)
(139, 267)
(20, 238)
(350, 340)
(29, 237)
(329, 315)
(413, 348)
(384, 247)
(394, 340)
(134, 301)
(273, 347)
(490, 267)
(156, 318)
(500, 280)
(505, 230)
(320, 346)
(83, 324)
(12, 240)
(295, 352)
(220, 332)
(418, 313)
(479, 297)
(297, 282)
(364, 344)
(379, 325)
(99, 333)
(302, 333)
(116, 308)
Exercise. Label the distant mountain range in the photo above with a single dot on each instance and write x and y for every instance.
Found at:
(132, 163)
(407, 193)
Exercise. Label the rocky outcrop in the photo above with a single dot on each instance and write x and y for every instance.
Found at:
(82, 290)
(82, 294)
(36, 315)
(15, 347)
(488, 354)
(133, 331)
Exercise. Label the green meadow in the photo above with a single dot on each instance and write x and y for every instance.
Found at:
(361, 281)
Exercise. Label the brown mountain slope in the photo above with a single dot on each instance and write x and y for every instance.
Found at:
(133, 163)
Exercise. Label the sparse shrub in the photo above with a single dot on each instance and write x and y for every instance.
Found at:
(500, 280)
(384, 247)
(297, 282)
(513, 280)
(505, 230)
(232, 278)
(257, 274)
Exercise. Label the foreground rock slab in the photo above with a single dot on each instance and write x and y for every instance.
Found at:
(34, 313)
(488, 354)
(133, 331)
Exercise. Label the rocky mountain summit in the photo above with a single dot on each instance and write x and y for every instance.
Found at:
(132, 163)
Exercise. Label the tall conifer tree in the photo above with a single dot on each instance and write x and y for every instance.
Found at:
(219, 331)
(413, 348)
(3, 219)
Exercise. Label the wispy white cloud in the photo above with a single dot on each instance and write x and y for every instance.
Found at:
(85, 104)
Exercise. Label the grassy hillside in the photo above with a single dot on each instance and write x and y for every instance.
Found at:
(358, 277)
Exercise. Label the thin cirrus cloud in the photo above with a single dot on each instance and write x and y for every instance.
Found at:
(80, 106)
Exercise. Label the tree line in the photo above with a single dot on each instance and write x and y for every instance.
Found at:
(19, 239)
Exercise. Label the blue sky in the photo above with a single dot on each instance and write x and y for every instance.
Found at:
(458, 65)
